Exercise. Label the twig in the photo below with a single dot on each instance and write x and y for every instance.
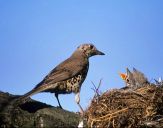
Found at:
(96, 89)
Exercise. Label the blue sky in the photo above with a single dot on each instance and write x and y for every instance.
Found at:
(37, 35)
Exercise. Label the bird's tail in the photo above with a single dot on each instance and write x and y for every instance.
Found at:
(19, 100)
(30, 93)
(36, 90)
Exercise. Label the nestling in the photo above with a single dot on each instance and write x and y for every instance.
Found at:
(135, 79)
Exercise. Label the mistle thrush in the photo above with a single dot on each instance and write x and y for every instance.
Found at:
(135, 79)
(68, 76)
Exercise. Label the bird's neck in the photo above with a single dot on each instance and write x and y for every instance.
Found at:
(78, 53)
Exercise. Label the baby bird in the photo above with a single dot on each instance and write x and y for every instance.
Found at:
(135, 79)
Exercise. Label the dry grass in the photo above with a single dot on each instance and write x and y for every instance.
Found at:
(125, 108)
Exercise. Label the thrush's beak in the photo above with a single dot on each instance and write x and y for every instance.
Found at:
(99, 52)
(123, 76)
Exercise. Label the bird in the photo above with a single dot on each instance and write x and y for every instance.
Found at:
(128, 78)
(134, 80)
(140, 78)
(68, 76)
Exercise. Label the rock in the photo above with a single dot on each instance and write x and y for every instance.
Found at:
(33, 114)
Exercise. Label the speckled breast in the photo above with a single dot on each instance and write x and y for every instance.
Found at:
(71, 85)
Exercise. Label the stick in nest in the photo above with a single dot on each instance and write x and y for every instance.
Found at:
(109, 115)
(96, 89)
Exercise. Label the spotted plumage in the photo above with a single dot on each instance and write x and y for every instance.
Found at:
(69, 75)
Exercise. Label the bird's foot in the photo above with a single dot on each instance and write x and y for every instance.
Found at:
(81, 110)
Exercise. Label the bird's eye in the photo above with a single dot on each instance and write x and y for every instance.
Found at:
(127, 80)
(91, 47)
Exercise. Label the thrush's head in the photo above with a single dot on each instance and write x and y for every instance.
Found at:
(128, 78)
(89, 50)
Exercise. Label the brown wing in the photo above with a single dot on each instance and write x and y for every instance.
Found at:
(64, 71)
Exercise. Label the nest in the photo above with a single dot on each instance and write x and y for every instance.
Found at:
(121, 108)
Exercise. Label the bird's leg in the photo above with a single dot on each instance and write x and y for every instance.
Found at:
(77, 100)
(56, 95)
